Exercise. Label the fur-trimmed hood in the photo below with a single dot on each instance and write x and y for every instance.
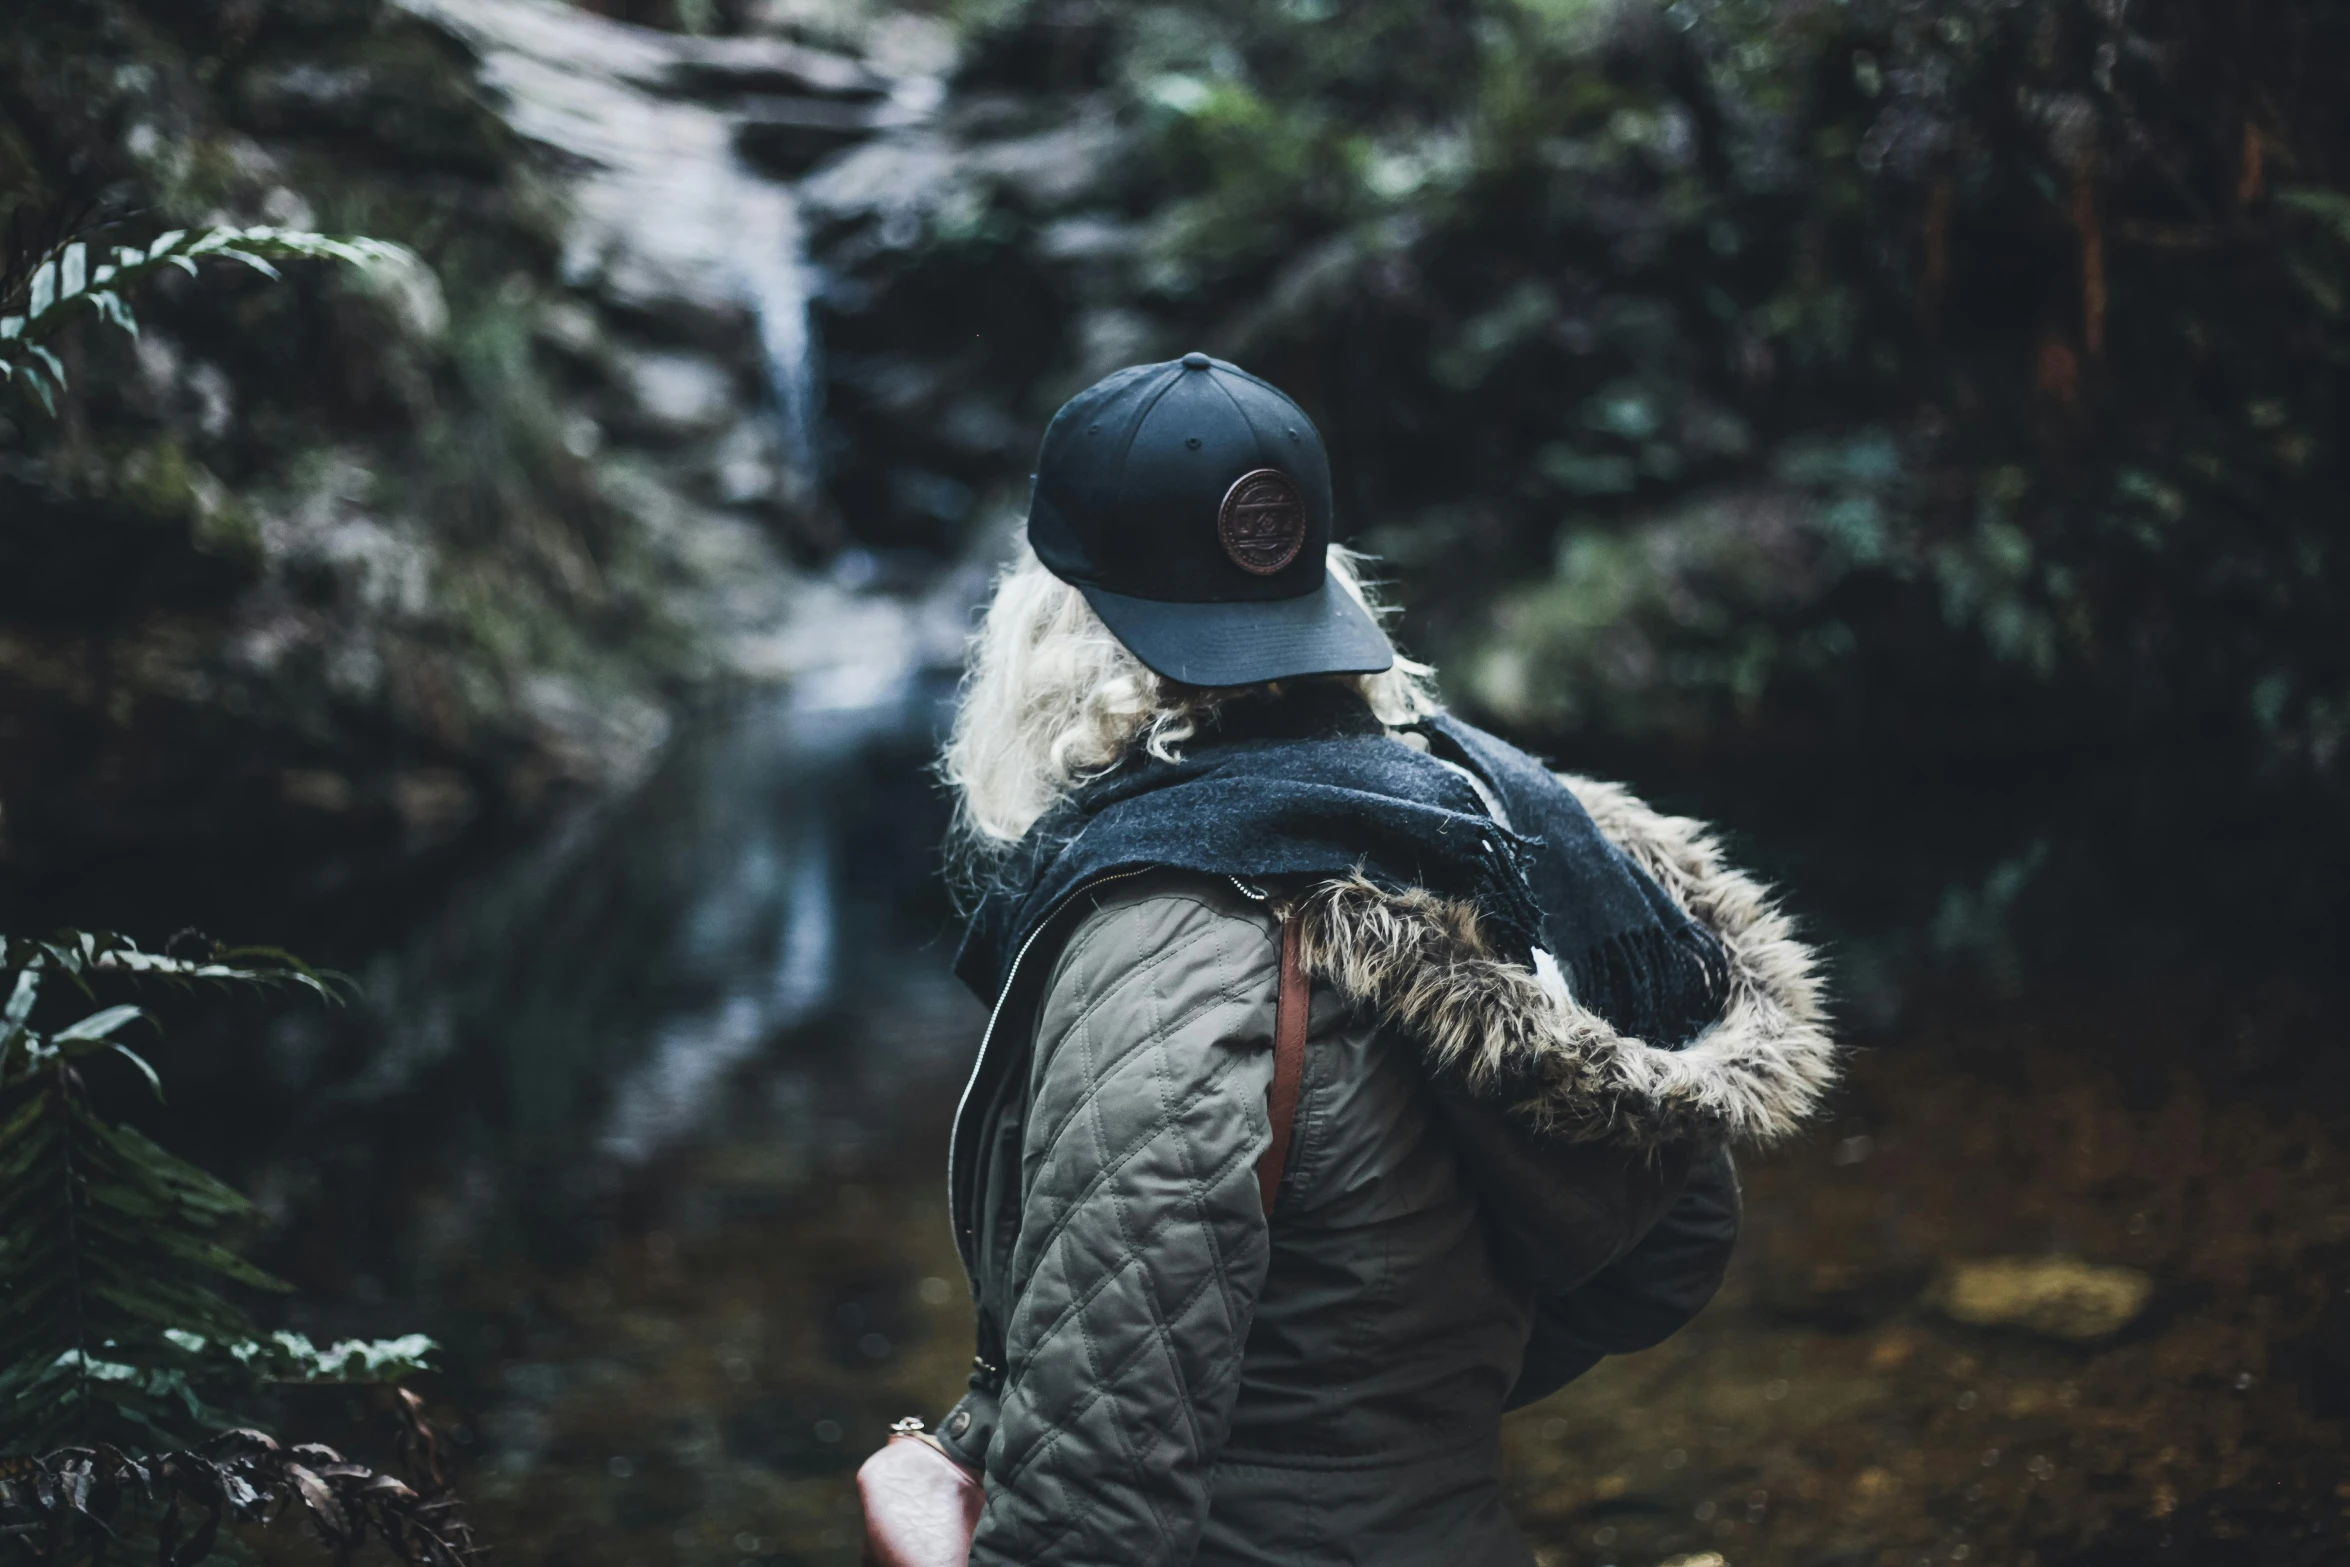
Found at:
(1422, 962)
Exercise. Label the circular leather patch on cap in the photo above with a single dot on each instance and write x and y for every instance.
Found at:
(1262, 521)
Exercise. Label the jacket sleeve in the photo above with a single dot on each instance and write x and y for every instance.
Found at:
(1644, 1296)
(1142, 1246)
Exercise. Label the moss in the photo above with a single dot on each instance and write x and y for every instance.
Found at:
(395, 537)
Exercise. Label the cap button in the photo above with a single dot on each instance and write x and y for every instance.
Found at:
(1195, 360)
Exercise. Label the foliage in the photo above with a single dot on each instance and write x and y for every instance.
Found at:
(116, 1321)
(362, 528)
(64, 281)
(2081, 243)
(2014, 327)
(92, 1503)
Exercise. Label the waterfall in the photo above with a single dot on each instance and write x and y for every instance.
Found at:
(666, 217)
(631, 968)
(775, 279)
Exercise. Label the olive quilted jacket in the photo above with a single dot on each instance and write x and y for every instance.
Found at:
(1188, 1381)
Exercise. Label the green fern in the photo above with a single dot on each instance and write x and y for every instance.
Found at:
(116, 1256)
(66, 284)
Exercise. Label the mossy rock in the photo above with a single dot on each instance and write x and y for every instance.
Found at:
(2054, 1297)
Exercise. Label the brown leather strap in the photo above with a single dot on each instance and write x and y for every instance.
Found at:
(1290, 1003)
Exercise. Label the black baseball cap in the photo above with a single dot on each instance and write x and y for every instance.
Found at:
(1190, 503)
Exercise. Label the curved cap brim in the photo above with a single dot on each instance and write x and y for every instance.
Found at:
(1325, 632)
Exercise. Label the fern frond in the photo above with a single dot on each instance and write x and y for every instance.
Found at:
(64, 283)
(117, 1257)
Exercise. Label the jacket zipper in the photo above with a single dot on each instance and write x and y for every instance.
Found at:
(987, 1036)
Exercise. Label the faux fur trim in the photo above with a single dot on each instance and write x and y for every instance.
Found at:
(1422, 962)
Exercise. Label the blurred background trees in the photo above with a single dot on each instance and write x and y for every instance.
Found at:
(1877, 402)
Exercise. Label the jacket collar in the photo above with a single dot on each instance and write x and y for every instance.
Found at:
(1520, 1032)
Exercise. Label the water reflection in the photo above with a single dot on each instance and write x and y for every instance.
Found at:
(647, 1124)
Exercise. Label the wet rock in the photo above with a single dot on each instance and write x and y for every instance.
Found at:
(721, 66)
(2056, 1297)
(681, 394)
(789, 136)
(1052, 168)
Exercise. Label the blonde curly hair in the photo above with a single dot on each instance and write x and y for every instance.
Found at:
(1051, 699)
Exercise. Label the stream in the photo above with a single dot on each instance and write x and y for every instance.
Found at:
(647, 1127)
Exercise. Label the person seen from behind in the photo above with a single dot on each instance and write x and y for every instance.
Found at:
(1248, 1296)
